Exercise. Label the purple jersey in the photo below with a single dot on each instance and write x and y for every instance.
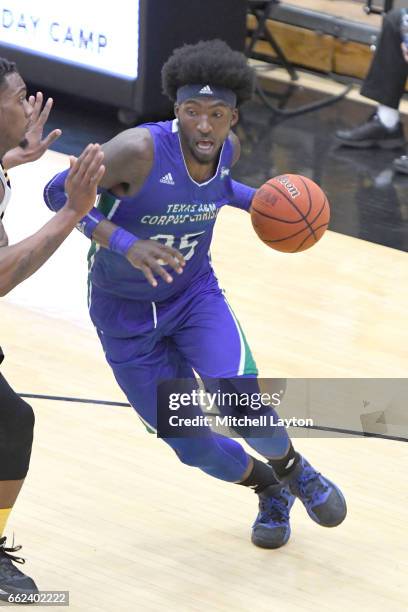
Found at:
(172, 208)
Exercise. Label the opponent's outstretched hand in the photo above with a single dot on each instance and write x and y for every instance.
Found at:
(33, 145)
(150, 256)
(82, 181)
(36, 144)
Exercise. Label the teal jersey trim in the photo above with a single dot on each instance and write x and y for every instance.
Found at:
(247, 365)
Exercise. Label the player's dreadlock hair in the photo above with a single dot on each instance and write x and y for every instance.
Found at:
(6, 68)
(210, 62)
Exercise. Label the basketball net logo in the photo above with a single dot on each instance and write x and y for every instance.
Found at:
(290, 188)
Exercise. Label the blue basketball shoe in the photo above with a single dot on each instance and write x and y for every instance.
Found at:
(323, 501)
(271, 528)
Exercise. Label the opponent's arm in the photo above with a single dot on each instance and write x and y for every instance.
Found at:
(3, 235)
(21, 260)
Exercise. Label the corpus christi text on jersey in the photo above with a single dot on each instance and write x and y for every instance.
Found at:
(209, 420)
(183, 213)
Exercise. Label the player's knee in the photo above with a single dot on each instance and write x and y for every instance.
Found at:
(16, 438)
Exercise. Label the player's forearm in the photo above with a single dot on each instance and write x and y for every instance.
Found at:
(94, 225)
(21, 260)
(55, 198)
(103, 232)
(241, 195)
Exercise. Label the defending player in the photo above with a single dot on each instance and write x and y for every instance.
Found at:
(166, 183)
(21, 127)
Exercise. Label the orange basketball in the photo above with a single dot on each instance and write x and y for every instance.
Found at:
(290, 213)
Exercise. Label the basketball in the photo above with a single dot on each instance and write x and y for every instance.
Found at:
(290, 213)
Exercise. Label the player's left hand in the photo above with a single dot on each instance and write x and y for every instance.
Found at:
(35, 144)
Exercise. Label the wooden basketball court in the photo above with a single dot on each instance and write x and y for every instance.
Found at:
(108, 512)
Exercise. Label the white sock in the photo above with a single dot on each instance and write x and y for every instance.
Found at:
(388, 116)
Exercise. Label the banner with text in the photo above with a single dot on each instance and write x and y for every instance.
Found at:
(101, 36)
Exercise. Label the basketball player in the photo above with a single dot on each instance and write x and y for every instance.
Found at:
(21, 127)
(154, 297)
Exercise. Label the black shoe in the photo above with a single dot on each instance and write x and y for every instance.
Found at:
(372, 133)
(12, 581)
(272, 528)
(400, 164)
(323, 500)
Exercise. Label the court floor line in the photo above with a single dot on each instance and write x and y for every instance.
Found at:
(352, 432)
(79, 400)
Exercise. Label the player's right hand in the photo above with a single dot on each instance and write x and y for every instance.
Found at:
(82, 181)
(404, 50)
(150, 256)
